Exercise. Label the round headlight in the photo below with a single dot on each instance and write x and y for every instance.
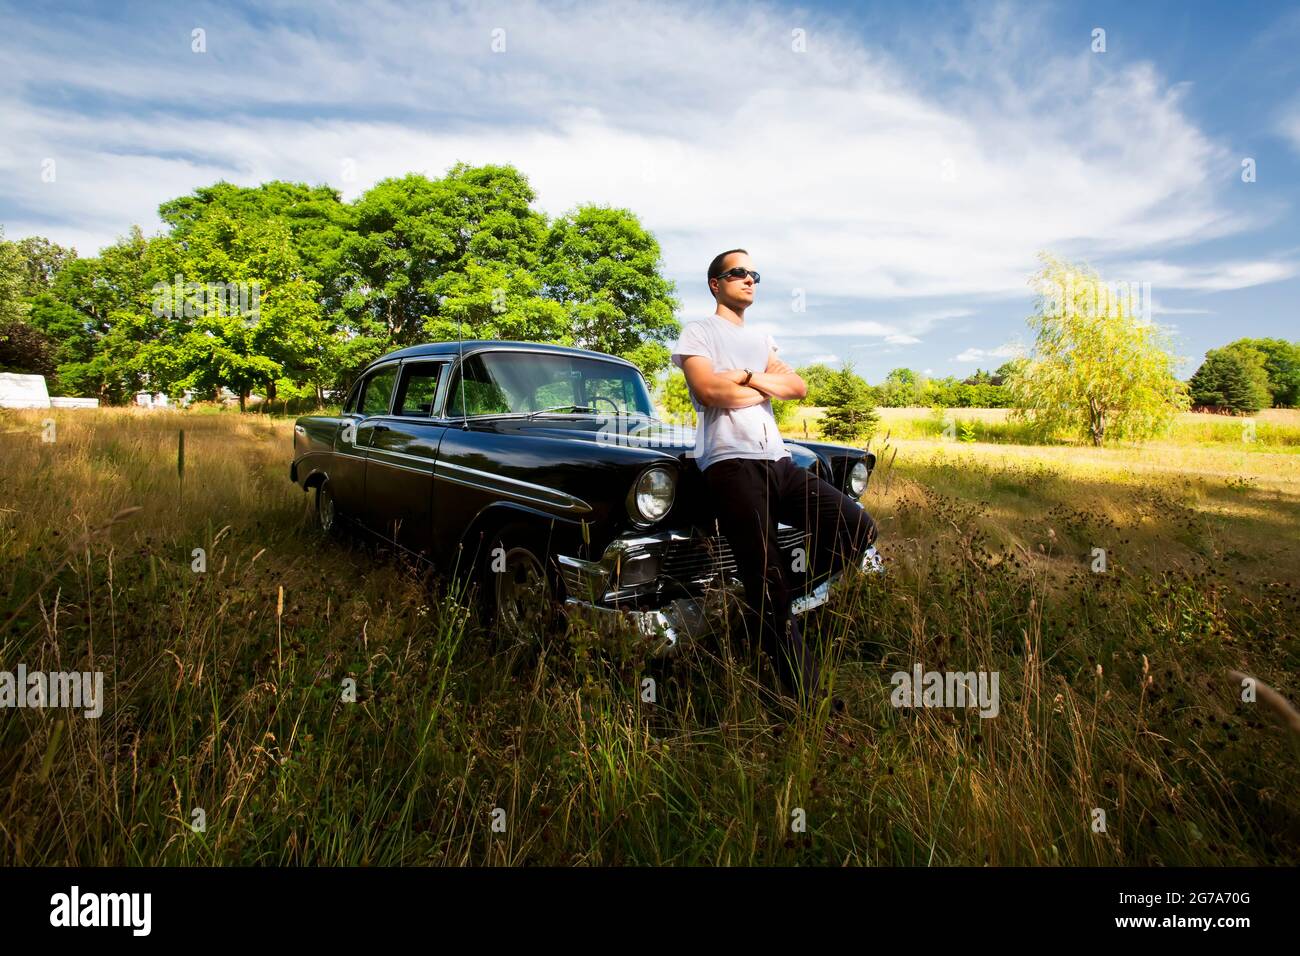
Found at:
(653, 494)
(858, 475)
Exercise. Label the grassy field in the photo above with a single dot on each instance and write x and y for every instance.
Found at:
(224, 687)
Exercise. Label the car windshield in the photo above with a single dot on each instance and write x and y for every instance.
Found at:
(504, 383)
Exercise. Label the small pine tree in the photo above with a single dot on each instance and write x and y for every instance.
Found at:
(1227, 381)
(850, 416)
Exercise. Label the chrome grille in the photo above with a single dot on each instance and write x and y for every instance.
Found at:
(704, 558)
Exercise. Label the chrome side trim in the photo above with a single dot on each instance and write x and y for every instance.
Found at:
(427, 472)
(510, 487)
(402, 454)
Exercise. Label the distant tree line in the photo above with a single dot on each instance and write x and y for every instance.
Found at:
(285, 290)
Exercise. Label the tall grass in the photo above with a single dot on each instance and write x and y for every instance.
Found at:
(226, 689)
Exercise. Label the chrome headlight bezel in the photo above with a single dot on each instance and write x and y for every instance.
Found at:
(858, 477)
(655, 484)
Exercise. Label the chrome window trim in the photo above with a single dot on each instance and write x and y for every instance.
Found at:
(370, 372)
(432, 417)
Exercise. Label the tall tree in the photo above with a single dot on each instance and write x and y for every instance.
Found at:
(602, 266)
(245, 316)
(1231, 379)
(1281, 363)
(850, 415)
(419, 240)
(1096, 372)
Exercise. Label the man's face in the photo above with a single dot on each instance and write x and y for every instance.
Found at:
(737, 293)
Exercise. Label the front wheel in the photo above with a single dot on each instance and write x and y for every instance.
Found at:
(516, 585)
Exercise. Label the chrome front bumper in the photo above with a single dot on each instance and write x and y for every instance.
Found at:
(602, 586)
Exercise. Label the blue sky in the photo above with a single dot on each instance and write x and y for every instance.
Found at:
(900, 172)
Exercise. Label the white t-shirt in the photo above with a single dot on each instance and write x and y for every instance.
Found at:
(730, 432)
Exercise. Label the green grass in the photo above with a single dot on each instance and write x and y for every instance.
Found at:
(1114, 687)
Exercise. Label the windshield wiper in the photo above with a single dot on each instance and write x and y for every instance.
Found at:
(556, 408)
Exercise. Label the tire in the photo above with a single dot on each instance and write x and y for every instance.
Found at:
(328, 519)
(517, 585)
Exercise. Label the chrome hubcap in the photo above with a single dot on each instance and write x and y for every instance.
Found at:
(521, 592)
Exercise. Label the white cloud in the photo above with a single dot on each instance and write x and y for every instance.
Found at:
(1217, 276)
(858, 184)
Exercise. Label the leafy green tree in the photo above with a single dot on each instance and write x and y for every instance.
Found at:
(1231, 380)
(13, 282)
(602, 267)
(782, 409)
(462, 237)
(677, 398)
(1095, 372)
(850, 415)
(1281, 362)
(901, 389)
(316, 217)
(817, 377)
(264, 320)
(98, 316)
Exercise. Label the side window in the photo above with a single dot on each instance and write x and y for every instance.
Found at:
(473, 391)
(417, 389)
(377, 390)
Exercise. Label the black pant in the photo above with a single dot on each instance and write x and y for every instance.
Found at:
(749, 497)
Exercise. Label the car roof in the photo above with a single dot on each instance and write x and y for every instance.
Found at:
(467, 346)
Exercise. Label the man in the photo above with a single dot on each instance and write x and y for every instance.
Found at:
(733, 375)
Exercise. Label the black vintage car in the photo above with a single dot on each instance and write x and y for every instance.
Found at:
(542, 472)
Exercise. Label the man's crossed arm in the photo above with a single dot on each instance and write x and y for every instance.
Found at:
(722, 389)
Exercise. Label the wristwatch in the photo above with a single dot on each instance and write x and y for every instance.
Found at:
(748, 376)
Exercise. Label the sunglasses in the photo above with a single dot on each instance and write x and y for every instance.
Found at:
(737, 273)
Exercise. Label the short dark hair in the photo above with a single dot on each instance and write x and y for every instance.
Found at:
(715, 267)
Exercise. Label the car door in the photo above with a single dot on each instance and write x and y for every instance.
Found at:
(351, 445)
(400, 456)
